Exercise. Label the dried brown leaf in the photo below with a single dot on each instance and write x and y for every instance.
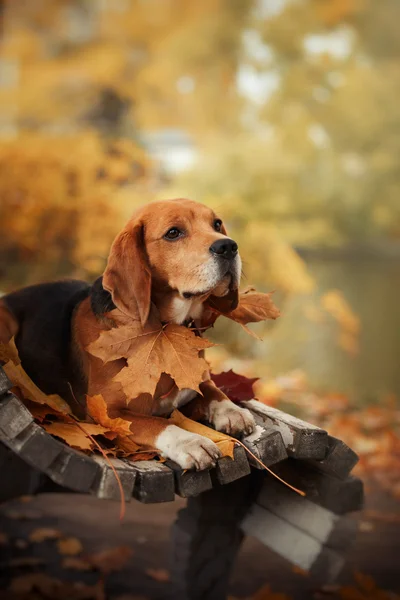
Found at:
(156, 349)
(73, 435)
(44, 533)
(76, 564)
(69, 546)
(9, 352)
(253, 307)
(161, 575)
(112, 559)
(97, 408)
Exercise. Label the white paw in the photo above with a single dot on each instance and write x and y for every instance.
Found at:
(230, 418)
(189, 450)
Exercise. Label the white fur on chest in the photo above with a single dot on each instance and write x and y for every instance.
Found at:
(185, 308)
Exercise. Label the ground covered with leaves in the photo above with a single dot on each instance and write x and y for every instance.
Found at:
(53, 547)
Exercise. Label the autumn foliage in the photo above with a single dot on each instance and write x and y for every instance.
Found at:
(62, 200)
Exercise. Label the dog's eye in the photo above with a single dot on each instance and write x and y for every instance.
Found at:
(217, 224)
(173, 234)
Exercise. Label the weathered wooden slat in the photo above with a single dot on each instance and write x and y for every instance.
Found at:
(337, 495)
(73, 469)
(5, 383)
(323, 525)
(189, 483)
(266, 444)
(339, 459)
(36, 447)
(14, 417)
(106, 485)
(228, 470)
(154, 481)
(293, 544)
(302, 440)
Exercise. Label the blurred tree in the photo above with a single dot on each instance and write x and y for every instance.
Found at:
(62, 201)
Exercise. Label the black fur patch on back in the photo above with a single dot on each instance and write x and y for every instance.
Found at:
(100, 300)
(44, 313)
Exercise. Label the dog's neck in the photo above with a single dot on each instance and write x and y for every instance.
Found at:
(175, 309)
(172, 307)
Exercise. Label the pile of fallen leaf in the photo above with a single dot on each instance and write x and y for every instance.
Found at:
(372, 430)
(150, 352)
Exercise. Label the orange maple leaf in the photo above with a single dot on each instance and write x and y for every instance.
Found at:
(151, 351)
(253, 307)
(97, 409)
(75, 436)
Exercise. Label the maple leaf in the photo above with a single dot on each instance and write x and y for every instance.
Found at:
(151, 351)
(112, 559)
(125, 446)
(253, 307)
(161, 575)
(237, 387)
(97, 409)
(69, 546)
(75, 436)
(44, 533)
(9, 352)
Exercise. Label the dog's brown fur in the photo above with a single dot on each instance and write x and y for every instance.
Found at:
(144, 270)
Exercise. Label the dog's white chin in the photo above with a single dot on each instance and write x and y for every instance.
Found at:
(209, 279)
(222, 289)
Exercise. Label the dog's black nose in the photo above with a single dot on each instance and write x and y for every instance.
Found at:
(226, 248)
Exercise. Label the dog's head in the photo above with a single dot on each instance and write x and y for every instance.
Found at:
(172, 245)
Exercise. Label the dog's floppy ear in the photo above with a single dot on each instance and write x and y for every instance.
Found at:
(127, 276)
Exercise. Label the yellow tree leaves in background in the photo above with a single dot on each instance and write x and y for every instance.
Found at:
(62, 201)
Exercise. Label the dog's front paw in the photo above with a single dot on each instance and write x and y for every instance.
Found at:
(230, 418)
(189, 450)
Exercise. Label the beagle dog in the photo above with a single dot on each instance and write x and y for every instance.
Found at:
(170, 256)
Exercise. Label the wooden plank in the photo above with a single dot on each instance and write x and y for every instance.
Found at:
(302, 440)
(74, 470)
(106, 486)
(337, 495)
(36, 447)
(228, 470)
(189, 483)
(323, 525)
(293, 544)
(339, 460)
(14, 417)
(266, 444)
(154, 481)
(5, 383)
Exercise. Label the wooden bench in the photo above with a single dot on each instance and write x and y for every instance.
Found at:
(236, 498)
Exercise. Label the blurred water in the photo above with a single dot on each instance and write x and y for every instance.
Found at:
(373, 290)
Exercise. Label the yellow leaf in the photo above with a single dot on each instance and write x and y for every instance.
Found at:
(69, 546)
(97, 408)
(73, 435)
(151, 351)
(9, 352)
